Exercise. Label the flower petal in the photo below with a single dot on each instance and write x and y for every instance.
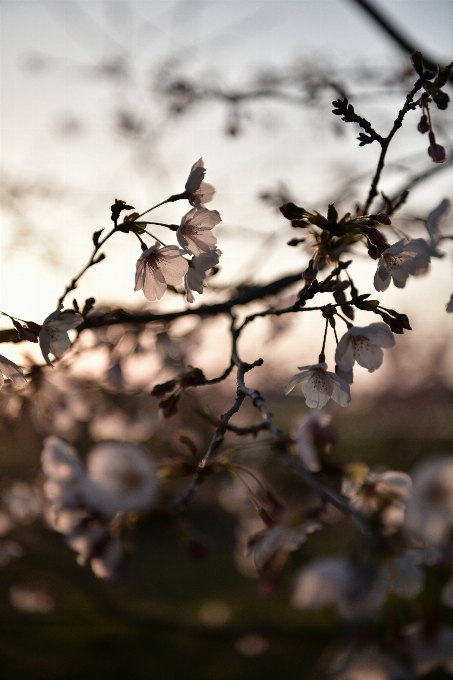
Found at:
(13, 372)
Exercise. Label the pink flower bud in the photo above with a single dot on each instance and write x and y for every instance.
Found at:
(437, 153)
(423, 125)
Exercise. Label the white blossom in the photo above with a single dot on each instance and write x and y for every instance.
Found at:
(364, 346)
(121, 477)
(319, 385)
(196, 175)
(433, 220)
(384, 492)
(158, 267)
(312, 430)
(194, 233)
(53, 336)
(279, 539)
(429, 512)
(199, 267)
(8, 369)
(399, 261)
(336, 582)
(366, 663)
(199, 192)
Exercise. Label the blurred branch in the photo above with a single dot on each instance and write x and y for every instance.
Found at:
(405, 43)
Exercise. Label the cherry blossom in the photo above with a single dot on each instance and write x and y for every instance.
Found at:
(313, 432)
(158, 267)
(279, 539)
(336, 582)
(364, 346)
(385, 493)
(429, 512)
(53, 336)
(194, 234)
(399, 261)
(199, 192)
(320, 385)
(433, 220)
(121, 477)
(8, 369)
(196, 276)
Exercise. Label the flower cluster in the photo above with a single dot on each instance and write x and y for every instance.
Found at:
(159, 267)
(87, 503)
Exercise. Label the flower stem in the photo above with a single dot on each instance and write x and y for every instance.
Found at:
(157, 239)
(322, 356)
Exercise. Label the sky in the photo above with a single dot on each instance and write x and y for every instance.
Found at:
(62, 163)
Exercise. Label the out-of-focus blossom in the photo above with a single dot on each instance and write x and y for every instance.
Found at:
(8, 369)
(31, 600)
(364, 346)
(64, 471)
(199, 192)
(109, 564)
(198, 271)
(121, 477)
(22, 502)
(53, 336)
(313, 433)
(401, 260)
(319, 385)
(429, 512)
(279, 539)
(378, 492)
(158, 267)
(338, 583)
(433, 220)
(194, 233)
(367, 663)
(430, 647)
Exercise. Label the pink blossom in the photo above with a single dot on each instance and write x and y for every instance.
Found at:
(158, 267)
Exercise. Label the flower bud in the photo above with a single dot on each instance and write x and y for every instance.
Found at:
(163, 388)
(169, 407)
(309, 274)
(292, 211)
(373, 251)
(423, 125)
(441, 99)
(382, 218)
(395, 325)
(339, 297)
(437, 153)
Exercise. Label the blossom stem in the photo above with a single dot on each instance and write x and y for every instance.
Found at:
(167, 200)
(348, 324)
(322, 356)
(157, 239)
(92, 261)
(173, 227)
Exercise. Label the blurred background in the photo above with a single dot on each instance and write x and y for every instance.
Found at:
(117, 99)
